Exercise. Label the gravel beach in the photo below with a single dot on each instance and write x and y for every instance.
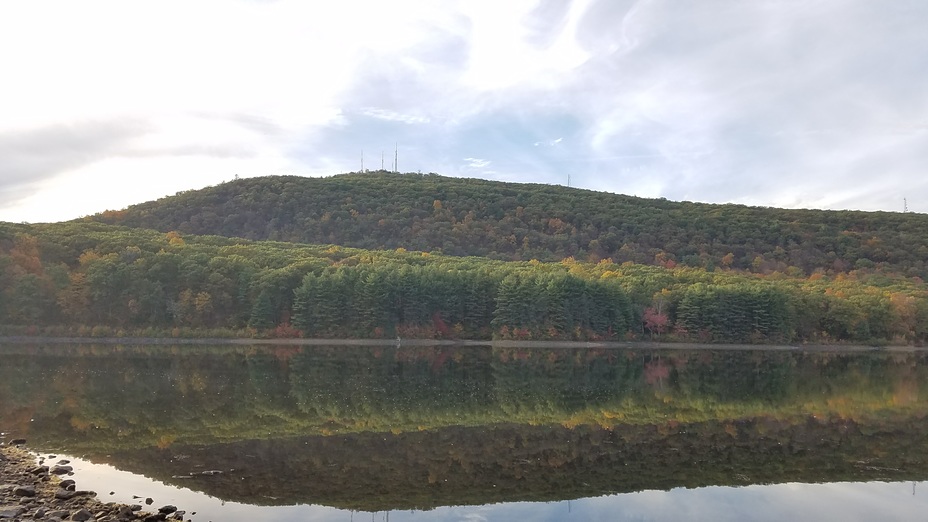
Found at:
(36, 488)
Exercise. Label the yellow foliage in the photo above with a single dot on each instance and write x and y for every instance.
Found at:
(87, 257)
(174, 238)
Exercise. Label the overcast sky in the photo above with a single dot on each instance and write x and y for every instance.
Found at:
(792, 103)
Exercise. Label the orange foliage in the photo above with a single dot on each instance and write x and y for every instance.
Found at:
(25, 254)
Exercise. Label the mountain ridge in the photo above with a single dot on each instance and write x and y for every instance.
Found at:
(521, 221)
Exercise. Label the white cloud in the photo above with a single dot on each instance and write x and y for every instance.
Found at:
(384, 114)
(476, 163)
(501, 57)
(548, 143)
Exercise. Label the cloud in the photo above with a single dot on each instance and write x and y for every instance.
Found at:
(722, 101)
(784, 102)
(383, 114)
(260, 125)
(548, 143)
(28, 158)
(476, 163)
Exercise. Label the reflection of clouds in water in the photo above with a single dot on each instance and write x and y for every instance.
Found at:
(796, 502)
(793, 501)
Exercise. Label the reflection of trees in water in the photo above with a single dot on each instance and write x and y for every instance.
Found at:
(98, 397)
(460, 465)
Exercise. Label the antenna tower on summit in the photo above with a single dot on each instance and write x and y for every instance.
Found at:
(905, 205)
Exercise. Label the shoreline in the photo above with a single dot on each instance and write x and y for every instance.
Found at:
(32, 488)
(615, 345)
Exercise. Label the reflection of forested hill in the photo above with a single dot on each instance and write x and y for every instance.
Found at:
(524, 221)
(460, 466)
(378, 428)
(98, 399)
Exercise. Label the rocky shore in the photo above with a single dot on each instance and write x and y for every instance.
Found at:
(32, 490)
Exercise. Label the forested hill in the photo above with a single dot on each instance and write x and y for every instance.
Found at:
(512, 221)
(93, 279)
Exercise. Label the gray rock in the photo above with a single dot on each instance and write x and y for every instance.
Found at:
(58, 513)
(61, 470)
(81, 515)
(67, 484)
(11, 512)
(24, 491)
(38, 470)
(40, 513)
(18, 442)
(63, 494)
(168, 509)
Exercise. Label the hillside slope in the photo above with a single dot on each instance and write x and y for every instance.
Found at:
(523, 221)
(81, 279)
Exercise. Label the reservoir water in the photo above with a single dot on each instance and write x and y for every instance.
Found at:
(480, 433)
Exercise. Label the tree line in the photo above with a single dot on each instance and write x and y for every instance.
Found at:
(97, 279)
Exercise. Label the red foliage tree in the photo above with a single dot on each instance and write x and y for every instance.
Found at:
(655, 321)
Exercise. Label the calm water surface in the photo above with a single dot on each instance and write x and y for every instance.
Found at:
(480, 433)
